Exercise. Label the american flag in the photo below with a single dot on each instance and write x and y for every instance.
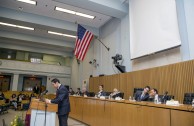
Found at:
(84, 37)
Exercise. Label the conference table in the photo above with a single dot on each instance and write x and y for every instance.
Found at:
(107, 112)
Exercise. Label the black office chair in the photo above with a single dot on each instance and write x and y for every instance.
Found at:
(122, 95)
(91, 94)
(164, 98)
(108, 93)
(137, 90)
(169, 97)
(188, 98)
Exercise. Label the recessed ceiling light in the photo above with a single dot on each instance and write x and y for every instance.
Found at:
(65, 10)
(20, 8)
(28, 1)
(16, 26)
(74, 12)
(61, 34)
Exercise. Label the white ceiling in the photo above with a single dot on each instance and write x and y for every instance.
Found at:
(43, 17)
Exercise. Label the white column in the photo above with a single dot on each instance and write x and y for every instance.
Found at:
(15, 82)
(49, 86)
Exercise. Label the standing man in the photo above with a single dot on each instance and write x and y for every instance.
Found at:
(36, 89)
(62, 99)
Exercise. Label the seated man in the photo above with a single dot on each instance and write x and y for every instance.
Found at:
(13, 101)
(32, 96)
(71, 92)
(2, 97)
(153, 95)
(115, 94)
(84, 92)
(142, 96)
(101, 92)
(78, 92)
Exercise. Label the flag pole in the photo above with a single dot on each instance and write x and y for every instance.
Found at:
(103, 44)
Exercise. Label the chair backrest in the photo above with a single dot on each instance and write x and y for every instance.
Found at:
(188, 98)
(91, 94)
(168, 97)
(108, 93)
(122, 94)
(137, 90)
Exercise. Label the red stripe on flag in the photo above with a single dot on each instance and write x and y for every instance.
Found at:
(81, 44)
(85, 46)
(85, 43)
(83, 40)
(77, 44)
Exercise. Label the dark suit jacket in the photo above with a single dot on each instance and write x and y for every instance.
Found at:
(85, 93)
(36, 90)
(62, 99)
(101, 93)
(116, 95)
(138, 96)
(78, 93)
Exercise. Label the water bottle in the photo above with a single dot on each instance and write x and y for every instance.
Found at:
(193, 103)
(155, 101)
(130, 98)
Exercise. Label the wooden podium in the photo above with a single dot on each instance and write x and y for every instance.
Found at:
(38, 113)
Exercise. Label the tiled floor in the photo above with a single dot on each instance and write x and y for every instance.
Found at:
(8, 117)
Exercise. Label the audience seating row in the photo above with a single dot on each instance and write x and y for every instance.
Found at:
(3, 107)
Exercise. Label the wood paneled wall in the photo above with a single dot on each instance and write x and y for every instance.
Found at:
(177, 79)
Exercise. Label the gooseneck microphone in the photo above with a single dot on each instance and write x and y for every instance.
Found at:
(41, 95)
(164, 98)
(44, 92)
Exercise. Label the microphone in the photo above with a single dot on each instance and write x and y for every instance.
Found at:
(41, 95)
(44, 92)
(164, 98)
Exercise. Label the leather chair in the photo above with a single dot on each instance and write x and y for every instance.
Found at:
(188, 98)
(167, 97)
(91, 94)
(137, 90)
(108, 93)
(122, 95)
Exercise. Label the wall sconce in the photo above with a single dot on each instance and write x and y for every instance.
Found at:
(94, 63)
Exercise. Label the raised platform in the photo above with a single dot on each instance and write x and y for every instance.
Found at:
(97, 112)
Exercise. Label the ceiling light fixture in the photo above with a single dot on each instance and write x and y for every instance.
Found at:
(61, 34)
(16, 26)
(74, 12)
(28, 1)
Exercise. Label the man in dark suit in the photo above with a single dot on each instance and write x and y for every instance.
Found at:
(62, 99)
(142, 96)
(78, 92)
(36, 89)
(101, 92)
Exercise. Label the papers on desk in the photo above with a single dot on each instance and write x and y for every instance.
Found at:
(172, 103)
(102, 97)
(118, 98)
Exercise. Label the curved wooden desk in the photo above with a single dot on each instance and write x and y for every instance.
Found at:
(97, 112)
